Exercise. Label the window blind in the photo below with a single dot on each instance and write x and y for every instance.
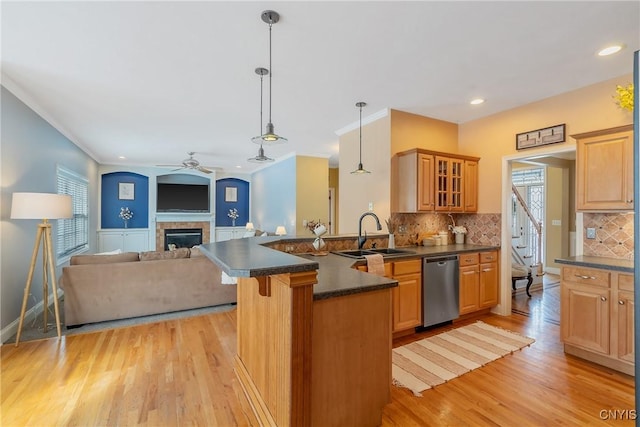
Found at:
(73, 233)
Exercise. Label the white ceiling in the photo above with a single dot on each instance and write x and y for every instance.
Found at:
(153, 80)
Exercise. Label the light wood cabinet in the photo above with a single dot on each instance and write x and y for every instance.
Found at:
(596, 316)
(407, 296)
(427, 181)
(479, 281)
(605, 153)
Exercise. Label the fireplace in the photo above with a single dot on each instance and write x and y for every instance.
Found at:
(182, 237)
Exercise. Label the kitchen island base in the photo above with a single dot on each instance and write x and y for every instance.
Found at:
(306, 362)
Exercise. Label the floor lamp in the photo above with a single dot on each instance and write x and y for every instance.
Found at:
(44, 206)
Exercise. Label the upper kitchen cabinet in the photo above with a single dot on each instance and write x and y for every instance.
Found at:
(427, 181)
(604, 168)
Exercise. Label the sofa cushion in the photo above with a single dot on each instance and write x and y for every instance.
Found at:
(156, 255)
(104, 259)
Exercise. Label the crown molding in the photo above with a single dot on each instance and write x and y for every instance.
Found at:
(365, 121)
(20, 93)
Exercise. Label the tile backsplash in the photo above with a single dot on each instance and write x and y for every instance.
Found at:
(614, 235)
(483, 229)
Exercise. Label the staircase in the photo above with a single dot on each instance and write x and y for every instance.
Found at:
(526, 240)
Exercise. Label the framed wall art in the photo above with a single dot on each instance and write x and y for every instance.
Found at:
(539, 137)
(231, 194)
(126, 190)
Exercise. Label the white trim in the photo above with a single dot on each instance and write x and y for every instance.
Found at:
(504, 308)
(28, 100)
(365, 121)
(12, 328)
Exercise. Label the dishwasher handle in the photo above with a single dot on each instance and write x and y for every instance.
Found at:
(442, 259)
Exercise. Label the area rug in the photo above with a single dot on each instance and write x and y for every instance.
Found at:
(432, 361)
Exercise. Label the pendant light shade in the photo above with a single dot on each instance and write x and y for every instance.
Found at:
(361, 170)
(269, 137)
(260, 158)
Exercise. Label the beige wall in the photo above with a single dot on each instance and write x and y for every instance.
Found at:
(412, 131)
(334, 182)
(493, 137)
(356, 191)
(312, 191)
(557, 208)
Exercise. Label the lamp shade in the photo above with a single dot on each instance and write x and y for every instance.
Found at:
(41, 206)
(280, 230)
(249, 226)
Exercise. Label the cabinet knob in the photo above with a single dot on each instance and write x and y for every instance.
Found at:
(630, 201)
(603, 298)
(621, 302)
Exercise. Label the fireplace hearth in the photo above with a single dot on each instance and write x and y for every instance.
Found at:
(182, 237)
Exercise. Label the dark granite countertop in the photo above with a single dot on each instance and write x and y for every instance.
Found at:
(616, 264)
(249, 258)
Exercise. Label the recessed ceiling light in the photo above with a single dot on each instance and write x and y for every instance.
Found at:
(610, 50)
(238, 166)
(476, 101)
(121, 157)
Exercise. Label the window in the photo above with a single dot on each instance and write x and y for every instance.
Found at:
(73, 233)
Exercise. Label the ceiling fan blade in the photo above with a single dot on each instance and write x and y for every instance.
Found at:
(203, 169)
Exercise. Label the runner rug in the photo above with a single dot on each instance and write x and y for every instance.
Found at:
(432, 361)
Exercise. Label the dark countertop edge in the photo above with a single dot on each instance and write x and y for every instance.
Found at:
(389, 283)
(623, 265)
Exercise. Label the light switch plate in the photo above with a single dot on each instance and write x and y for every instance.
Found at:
(556, 222)
(591, 233)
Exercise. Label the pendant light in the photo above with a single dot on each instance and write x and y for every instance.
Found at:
(269, 137)
(360, 169)
(260, 158)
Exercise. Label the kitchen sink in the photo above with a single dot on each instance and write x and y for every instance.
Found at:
(391, 251)
(360, 253)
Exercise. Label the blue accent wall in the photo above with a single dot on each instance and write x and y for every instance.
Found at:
(111, 204)
(222, 206)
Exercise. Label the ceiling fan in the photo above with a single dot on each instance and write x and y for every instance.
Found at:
(191, 163)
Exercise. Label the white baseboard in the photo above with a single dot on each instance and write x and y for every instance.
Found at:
(12, 328)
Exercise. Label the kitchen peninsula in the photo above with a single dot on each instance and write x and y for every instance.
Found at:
(314, 338)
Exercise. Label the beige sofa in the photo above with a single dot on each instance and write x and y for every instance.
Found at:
(109, 287)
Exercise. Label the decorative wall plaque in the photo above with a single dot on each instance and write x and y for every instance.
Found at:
(537, 138)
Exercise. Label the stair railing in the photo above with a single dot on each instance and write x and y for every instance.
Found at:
(537, 226)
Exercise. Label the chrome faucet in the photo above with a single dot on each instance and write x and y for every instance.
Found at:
(361, 239)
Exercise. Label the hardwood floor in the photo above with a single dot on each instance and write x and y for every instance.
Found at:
(179, 372)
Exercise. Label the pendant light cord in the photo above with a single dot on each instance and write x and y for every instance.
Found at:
(360, 135)
(270, 70)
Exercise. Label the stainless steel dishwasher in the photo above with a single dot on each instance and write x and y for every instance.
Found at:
(440, 290)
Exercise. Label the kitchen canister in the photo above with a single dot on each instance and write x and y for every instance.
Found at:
(444, 237)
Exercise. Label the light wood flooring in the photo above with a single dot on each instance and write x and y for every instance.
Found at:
(179, 373)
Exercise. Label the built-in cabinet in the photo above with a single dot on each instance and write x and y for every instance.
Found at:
(407, 296)
(605, 153)
(479, 281)
(596, 319)
(427, 181)
(228, 233)
(127, 240)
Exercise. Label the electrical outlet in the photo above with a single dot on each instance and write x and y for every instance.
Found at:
(591, 233)
(402, 229)
(370, 206)
(288, 248)
(556, 222)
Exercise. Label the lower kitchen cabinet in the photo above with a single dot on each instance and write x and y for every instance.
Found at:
(407, 296)
(596, 318)
(129, 240)
(479, 281)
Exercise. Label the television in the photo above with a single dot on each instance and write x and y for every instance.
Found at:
(177, 193)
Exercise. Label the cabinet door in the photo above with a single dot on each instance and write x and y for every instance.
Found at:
(610, 156)
(584, 315)
(470, 186)
(136, 241)
(625, 326)
(425, 182)
(449, 184)
(407, 298)
(110, 241)
(469, 289)
(489, 279)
